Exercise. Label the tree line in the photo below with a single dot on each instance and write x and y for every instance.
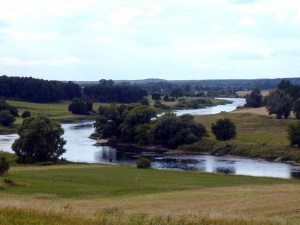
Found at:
(37, 90)
(106, 91)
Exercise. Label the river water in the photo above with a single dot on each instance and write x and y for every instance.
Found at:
(80, 149)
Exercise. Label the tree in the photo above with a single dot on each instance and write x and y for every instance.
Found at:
(177, 92)
(12, 110)
(284, 85)
(4, 165)
(80, 106)
(171, 130)
(135, 117)
(296, 108)
(26, 114)
(279, 103)
(155, 96)
(39, 140)
(224, 129)
(293, 131)
(6, 119)
(254, 99)
(109, 120)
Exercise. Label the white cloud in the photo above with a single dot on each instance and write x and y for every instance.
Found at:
(154, 10)
(8, 61)
(96, 25)
(68, 60)
(247, 21)
(123, 15)
(30, 35)
(281, 16)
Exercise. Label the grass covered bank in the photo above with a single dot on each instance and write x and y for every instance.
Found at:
(258, 136)
(101, 194)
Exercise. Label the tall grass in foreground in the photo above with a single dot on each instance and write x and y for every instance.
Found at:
(114, 216)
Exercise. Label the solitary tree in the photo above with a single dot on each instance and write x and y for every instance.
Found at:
(39, 140)
(224, 129)
(254, 99)
(279, 103)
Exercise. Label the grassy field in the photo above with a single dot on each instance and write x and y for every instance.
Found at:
(105, 194)
(258, 136)
(58, 111)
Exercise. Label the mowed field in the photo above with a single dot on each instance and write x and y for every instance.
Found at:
(106, 194)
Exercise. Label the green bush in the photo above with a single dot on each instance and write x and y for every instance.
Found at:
(26, 114)
(224, 129)
(4, 165)
(293, 130)
(143, 163)
(6, 118)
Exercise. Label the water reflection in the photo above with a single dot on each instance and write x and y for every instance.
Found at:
(207, 163)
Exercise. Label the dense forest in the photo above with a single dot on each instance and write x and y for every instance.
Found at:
(37, 90)
(106, 91)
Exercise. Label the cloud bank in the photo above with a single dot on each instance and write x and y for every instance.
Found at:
(184, 39)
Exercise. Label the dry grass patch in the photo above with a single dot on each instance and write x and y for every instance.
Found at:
(278, 203)
(257, 111)
(244, 93)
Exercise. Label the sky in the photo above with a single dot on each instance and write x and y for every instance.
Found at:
(89, 40)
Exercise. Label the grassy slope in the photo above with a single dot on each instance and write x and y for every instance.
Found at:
(257, 136)
(96, 194)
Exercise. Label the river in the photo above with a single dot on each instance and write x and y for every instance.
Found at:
(80, 149)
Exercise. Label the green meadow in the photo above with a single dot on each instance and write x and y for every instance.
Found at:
(108, 194)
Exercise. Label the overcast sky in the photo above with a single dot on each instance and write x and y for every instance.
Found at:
(138, 39)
